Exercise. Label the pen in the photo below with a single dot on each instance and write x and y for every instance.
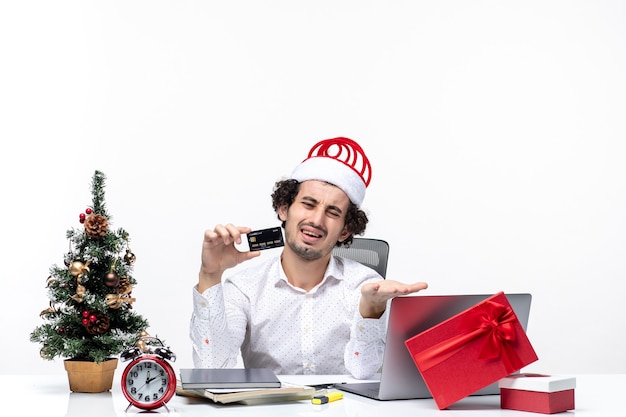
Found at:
(330, 397)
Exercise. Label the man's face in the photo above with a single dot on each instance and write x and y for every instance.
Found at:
(316, 219)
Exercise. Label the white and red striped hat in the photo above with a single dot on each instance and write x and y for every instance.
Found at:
(338, 161)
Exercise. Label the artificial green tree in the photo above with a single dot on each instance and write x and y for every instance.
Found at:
(91, 316)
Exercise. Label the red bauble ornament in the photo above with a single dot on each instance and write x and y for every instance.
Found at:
(85, 322)
(88, 210)
(93, 318)
(82, 217)
(85, 313)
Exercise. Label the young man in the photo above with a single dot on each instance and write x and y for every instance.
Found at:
(305, 311)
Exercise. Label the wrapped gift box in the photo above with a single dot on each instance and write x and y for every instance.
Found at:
(471, 350)
(547, 394)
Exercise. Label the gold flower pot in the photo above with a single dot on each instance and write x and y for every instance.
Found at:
(87, 376)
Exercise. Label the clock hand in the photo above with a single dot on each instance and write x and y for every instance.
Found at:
(141, 387)
(148, 380)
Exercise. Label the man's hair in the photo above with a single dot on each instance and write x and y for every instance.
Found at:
(285, 192)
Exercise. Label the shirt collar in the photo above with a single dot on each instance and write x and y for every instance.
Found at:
(333, 270)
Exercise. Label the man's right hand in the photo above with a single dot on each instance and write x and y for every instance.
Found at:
(219, 253)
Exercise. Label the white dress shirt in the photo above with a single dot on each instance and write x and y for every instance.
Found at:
(275, 325)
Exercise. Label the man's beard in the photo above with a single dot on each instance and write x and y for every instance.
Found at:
(304, 251)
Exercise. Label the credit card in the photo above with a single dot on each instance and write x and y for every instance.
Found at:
(261, 240)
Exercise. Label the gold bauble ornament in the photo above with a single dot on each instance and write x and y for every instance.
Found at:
(129, 257)
(141, 345)
(43, 352)
(78, 268)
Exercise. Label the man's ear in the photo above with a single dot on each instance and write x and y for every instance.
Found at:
(344, 234)
(282, 212)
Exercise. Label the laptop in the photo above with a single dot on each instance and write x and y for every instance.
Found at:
(409, 315)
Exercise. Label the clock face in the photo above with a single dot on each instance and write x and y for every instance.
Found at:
(148, 382)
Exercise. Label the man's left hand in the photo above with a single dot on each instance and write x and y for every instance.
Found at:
(374, 295)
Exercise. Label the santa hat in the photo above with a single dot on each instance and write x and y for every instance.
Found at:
(338, 161)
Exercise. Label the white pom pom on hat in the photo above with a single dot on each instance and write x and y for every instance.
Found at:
(339, 161)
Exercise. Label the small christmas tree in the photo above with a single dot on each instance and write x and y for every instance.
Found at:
(91, 315)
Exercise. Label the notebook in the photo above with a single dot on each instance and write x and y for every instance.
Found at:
(400, 379)
(233, 378)
(287, 392)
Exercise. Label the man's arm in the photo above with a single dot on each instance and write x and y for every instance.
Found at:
(216, 334)
(364, 352)
(363, 355)
(375, 295)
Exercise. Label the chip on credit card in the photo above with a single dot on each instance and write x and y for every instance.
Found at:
(262, 239)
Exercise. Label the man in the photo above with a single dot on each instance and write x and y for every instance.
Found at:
(305, 311)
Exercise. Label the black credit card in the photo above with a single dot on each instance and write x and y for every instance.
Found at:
(262, 239)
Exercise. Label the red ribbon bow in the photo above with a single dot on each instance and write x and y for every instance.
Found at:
(494, 323)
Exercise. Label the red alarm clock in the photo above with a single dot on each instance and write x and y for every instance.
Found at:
(148, 381)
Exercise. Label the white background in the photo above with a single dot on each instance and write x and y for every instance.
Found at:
(496, 132)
